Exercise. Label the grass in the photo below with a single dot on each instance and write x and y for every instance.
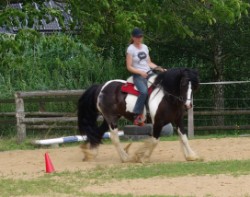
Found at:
(10, 143)
(50, 186)
(236, 167)
(73, 183)
(42, 186)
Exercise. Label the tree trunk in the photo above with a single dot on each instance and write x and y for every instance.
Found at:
(218, 89)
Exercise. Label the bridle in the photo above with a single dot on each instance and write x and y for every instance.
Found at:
(179, 98)
(166, 93)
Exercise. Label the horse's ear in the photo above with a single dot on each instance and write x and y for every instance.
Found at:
(196, 71)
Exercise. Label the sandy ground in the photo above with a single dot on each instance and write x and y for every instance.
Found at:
(219, 185)
(30, 163)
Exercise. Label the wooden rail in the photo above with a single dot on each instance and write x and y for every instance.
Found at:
(49, 120)
(53, 93)
(46, 120)
(224, 112)
(49, 117)
(48, 127)
(224, 127)
(38, 114)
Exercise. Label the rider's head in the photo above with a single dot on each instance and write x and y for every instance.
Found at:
(136, 36)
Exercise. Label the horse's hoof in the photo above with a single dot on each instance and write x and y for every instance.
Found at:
(89, 157)
(193, 158)
(140, 159)
(124, 156)
(127, 160)
(127, 147)
(144, 160)
(89, 154)
(87, 160)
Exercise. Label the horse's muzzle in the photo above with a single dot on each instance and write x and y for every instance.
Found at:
(188, 105)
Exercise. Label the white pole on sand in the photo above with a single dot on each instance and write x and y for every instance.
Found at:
(76, 138)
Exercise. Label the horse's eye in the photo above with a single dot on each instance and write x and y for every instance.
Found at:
(183, 84)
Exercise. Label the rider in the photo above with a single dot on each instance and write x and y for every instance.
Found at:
(139, 64)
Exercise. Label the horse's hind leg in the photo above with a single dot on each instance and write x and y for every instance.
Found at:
(90, 149)
(116, 141)
(89, 152)
(115, 138)
(154, 140)
(144, 153)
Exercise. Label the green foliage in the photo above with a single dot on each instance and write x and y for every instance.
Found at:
(164, 19)
(31, 61)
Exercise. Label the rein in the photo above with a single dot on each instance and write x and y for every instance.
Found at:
(179, 98)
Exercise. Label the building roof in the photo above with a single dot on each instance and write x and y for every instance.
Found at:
(52, 26)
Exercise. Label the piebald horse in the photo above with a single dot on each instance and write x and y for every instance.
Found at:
(171, 96)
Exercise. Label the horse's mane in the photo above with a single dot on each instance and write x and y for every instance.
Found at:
(170, 80)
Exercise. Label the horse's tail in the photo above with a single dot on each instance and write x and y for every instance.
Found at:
(87, 116)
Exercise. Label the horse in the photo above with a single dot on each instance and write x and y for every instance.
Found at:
(172, 92)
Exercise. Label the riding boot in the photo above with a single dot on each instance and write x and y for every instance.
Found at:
(139, 120)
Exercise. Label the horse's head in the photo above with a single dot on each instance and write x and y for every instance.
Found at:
(189, 82)
(179, 83)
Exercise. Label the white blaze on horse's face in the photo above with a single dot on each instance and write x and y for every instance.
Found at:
(188, 102)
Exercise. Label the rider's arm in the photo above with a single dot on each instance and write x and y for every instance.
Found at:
(151, 64)
(154, 66)
(130, 67)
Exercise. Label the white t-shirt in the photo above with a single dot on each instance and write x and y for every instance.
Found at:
(140, 57)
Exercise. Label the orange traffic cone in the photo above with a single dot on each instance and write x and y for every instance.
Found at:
(49, 166)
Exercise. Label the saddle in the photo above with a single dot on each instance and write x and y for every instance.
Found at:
(130, 88)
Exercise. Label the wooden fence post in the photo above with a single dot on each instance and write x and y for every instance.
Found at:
(20, 115)
(191, 121)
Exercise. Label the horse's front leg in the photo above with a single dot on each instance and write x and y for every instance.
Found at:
(189, 154)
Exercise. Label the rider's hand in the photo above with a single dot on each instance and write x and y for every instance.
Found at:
(160, 69)
(144, 74)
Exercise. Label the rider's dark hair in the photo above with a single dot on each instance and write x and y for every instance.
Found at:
(131, 41)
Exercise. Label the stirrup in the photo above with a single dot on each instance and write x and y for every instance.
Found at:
(139, 121)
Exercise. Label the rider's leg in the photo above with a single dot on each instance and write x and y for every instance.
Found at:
(141, 85)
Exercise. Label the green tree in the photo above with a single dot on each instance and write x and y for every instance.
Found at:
(200, 33)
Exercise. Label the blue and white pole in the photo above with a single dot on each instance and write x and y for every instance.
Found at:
(68, 139)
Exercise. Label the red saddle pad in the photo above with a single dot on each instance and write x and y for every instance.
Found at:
(130, 89)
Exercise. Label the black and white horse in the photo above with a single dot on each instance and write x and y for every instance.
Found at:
(171, 96)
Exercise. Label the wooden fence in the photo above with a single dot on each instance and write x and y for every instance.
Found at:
(42, 119)
(49, 117)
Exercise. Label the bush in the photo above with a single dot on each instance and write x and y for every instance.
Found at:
(32, 61)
